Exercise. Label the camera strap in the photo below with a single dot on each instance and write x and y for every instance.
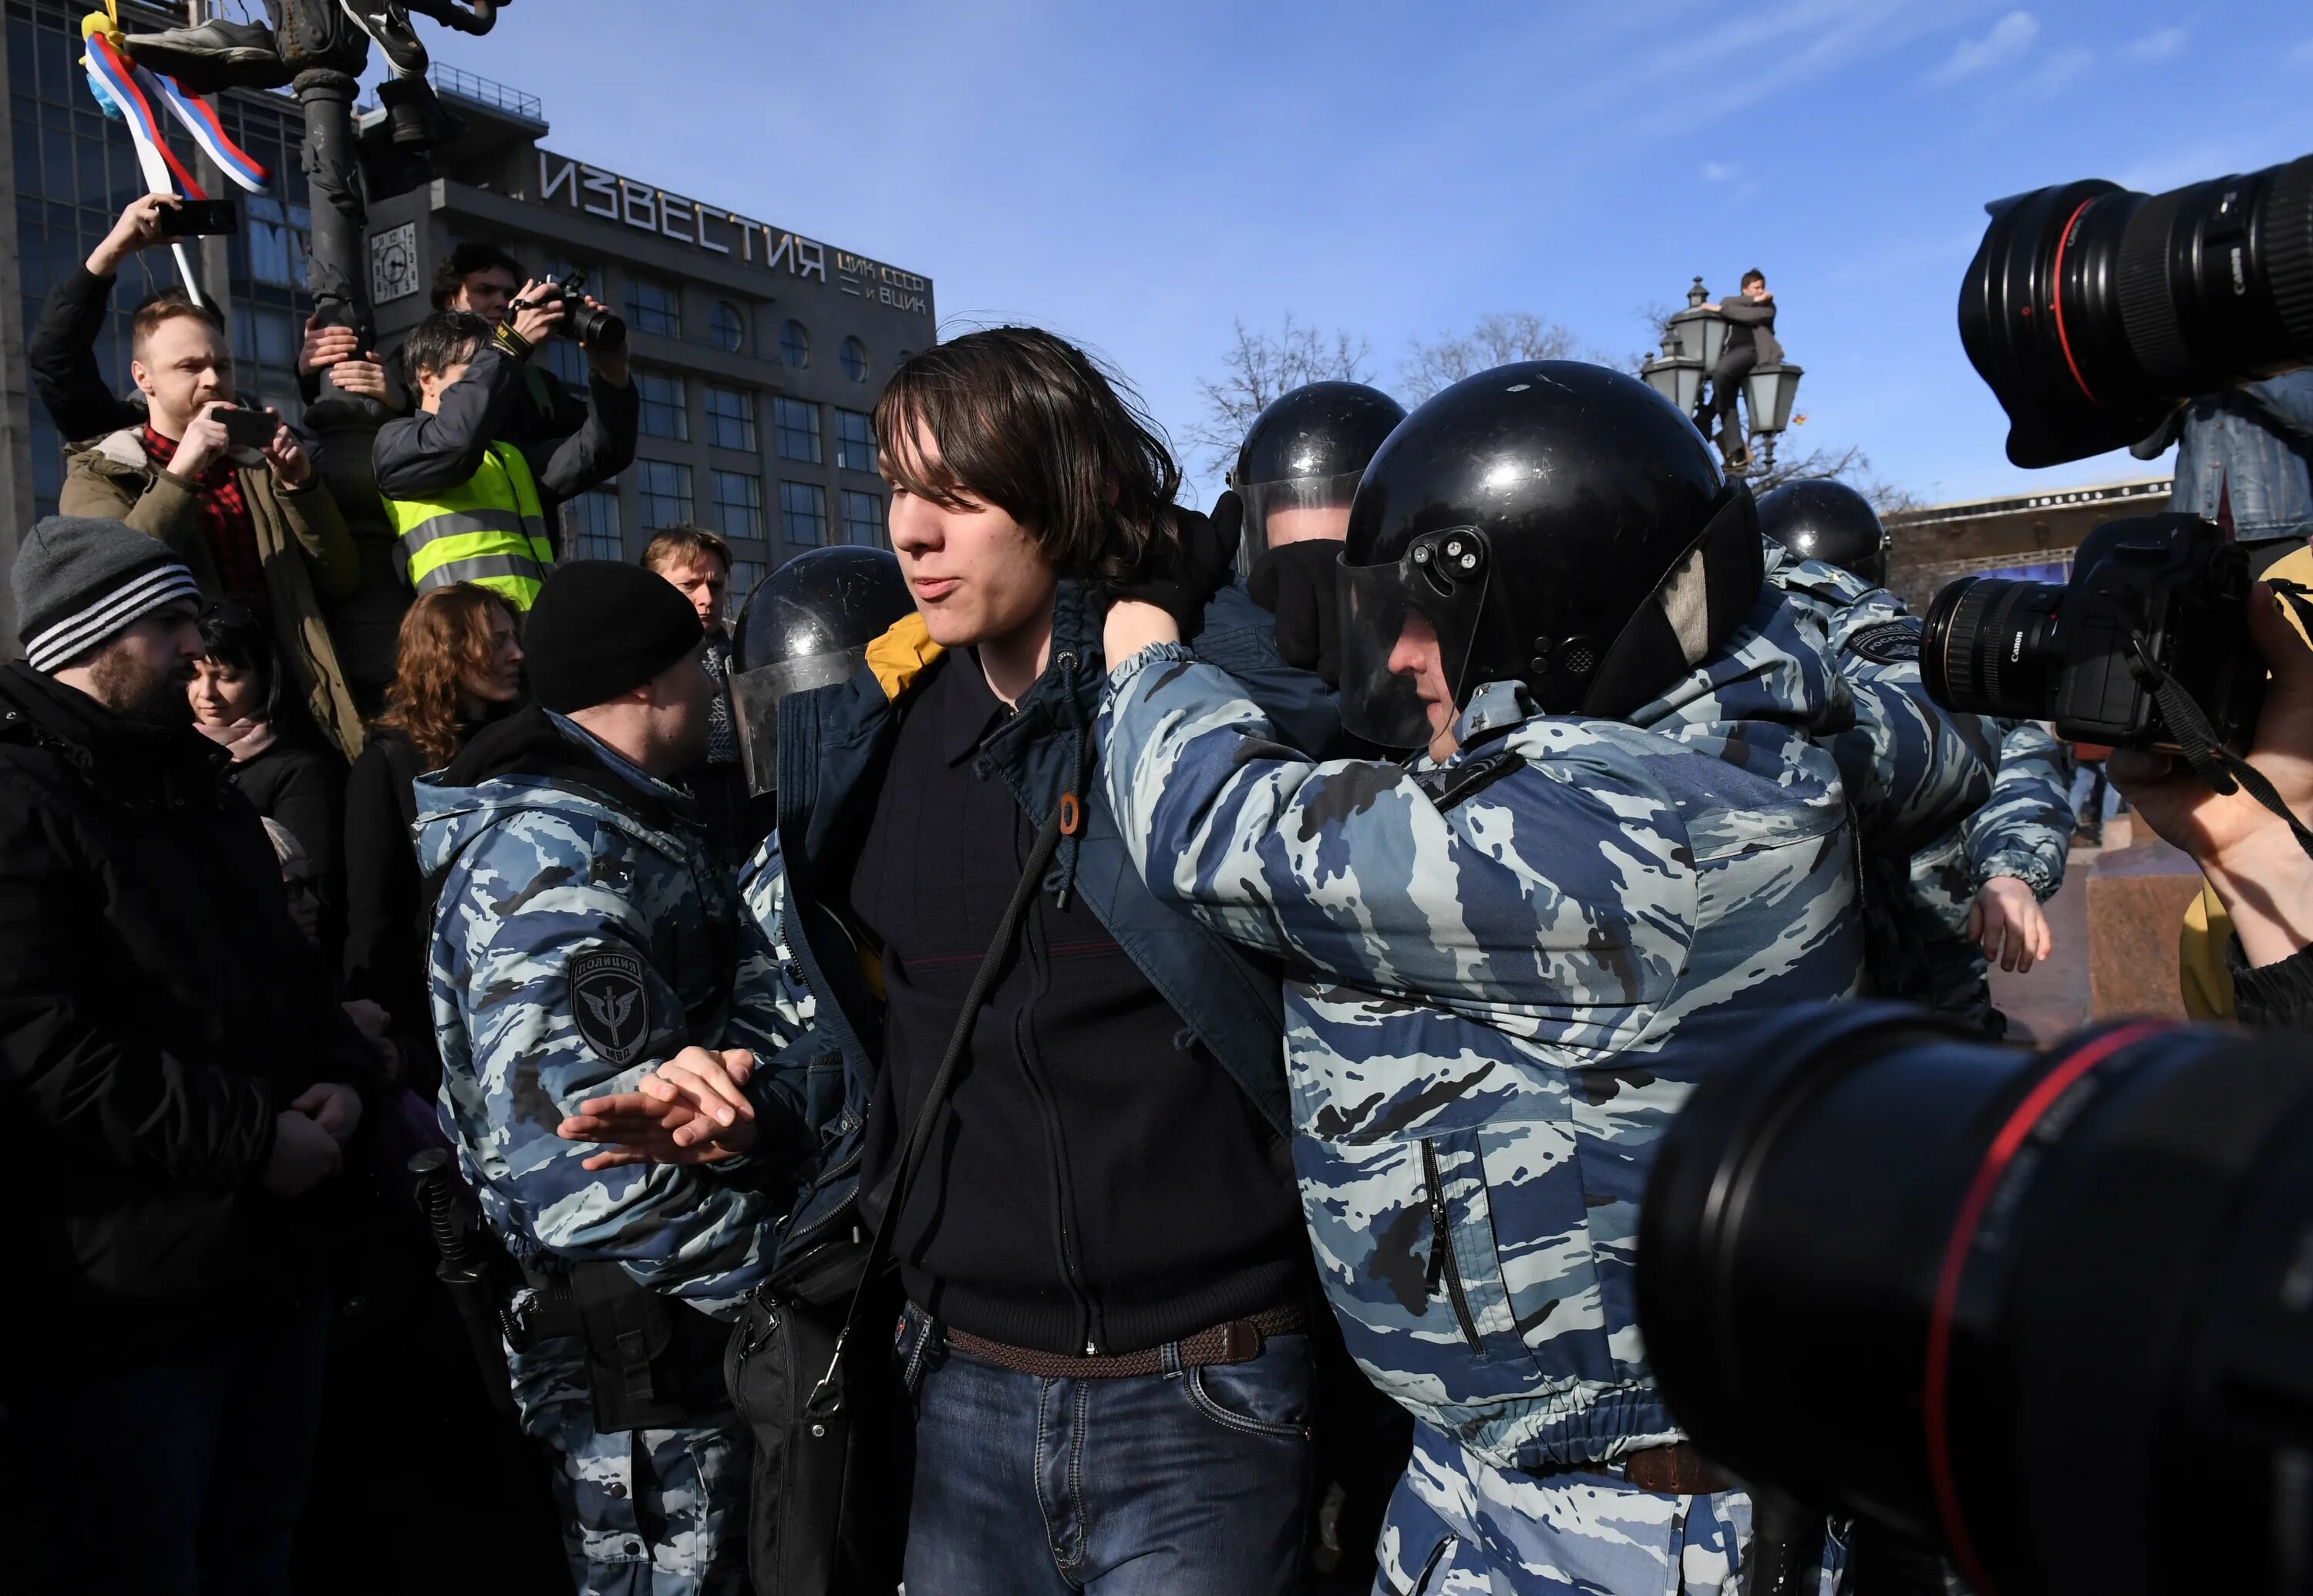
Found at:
(2224, 771)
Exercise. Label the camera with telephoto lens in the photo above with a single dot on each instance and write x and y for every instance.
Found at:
(2047, 1315)
(2092, 311)
(593, 328)
(2155, 615)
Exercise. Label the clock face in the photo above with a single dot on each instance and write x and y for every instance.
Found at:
(394, 263)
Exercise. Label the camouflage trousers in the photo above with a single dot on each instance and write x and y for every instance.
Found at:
(645, 1512)
(1458, 1526)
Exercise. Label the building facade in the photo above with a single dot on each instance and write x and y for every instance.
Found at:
(2029, 535)
(759, 351)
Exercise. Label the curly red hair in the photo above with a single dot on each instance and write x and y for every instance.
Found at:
(445, 638)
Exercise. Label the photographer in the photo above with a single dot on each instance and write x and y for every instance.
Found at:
(2255, 860)
(255, 524)
(475, 276)
(453, 477)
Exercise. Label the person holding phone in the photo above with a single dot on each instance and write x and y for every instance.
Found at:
(252, 519)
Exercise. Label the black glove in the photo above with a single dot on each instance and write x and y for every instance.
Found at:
(1185, 570)
(1300, 585)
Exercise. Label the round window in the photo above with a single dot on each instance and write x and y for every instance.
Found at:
(855, 360)
(726, 327)
(794, 345)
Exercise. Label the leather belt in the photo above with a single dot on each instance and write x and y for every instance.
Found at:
(1675, 1470)
(1237, 1341)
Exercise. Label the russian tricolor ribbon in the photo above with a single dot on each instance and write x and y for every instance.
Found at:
(135, 95)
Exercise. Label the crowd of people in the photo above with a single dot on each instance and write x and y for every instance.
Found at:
(1173, 1009)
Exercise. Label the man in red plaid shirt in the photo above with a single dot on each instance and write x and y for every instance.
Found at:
(254, 523)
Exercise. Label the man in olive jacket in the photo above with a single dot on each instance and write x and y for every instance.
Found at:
(257, 525)
(183, 1084)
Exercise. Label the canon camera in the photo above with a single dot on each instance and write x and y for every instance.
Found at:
(592, 327)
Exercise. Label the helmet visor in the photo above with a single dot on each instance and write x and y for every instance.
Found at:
(1295, 510)
(1407, 632)
(755, 698)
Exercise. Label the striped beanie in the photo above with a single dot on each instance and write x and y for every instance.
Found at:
(80, 582)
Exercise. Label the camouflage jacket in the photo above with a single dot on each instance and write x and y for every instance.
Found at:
(1913, 769)
(1917, 910)
(581, 939)
(1482, 958)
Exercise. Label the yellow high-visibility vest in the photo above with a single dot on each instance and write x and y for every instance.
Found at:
(490, 530)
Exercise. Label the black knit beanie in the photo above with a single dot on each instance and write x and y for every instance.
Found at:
(599, 629)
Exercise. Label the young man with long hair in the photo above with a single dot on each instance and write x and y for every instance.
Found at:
(1108, 1284)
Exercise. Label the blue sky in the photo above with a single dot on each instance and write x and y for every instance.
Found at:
(1136, 177)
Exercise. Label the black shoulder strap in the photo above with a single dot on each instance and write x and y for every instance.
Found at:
(2224, 771)
(919, 1134)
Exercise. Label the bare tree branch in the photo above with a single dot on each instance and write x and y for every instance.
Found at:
(1497, 339)
(1850, 465)
(1260, 367)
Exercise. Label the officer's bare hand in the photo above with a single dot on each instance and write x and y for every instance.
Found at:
(641, 1129)
(304, 1156)
(325, 347)
(333, 1106)
(361, 374)
(139, 225)
(2005, 920)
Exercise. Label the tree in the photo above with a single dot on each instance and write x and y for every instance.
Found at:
(1497, 339)
(1850, 465)
(1260, 367)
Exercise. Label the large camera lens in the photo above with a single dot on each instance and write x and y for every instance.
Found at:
(1988, 648)
(2051, 1313)
(593, 329)
(2090, 310)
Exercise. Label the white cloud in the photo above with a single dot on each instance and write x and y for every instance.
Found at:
(2010, 37)
(1718, 172)
(2062, 68)
(2158, 47)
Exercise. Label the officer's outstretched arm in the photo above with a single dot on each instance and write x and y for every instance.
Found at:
(557, 994)
(1569, 884)
(2026, 830)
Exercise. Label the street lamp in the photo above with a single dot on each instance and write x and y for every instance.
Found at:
(1701, 334)
(1768, 394)
(1676, 376)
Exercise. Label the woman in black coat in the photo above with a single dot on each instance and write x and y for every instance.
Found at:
(457, 666)
(279, 763)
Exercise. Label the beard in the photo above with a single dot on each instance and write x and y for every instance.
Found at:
(135, 690)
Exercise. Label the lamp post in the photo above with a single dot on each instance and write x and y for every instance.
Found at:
(1692, 342)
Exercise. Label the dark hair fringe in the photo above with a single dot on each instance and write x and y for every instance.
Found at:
(464, 262)
(1752, 276)
(444, 340)
(1029, 423)
(233, 636)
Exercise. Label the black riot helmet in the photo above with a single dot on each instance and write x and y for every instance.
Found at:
(806, 625)
(1306, 451)
(1549, 522)
(1816, 518)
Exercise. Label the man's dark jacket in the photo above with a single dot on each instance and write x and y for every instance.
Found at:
(157, 1010)
(420, 454)
(834, 745)
(61, 356)
(546, 413)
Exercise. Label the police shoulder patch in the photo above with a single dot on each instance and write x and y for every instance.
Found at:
(1891, 642)
(609, 1002)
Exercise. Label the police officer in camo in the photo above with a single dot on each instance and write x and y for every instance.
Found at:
(1621, 820)
(1964, 820)
(583, 939)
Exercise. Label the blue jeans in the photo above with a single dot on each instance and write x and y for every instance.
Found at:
(1184, 1483)
(181, 1476)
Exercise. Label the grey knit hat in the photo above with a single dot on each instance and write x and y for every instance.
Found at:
(81, 581)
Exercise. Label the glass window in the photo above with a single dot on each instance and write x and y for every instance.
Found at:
(654, 307)
(730, 418)
(278, 240)
(664, 413)
(794, 345)
(565, 359)
(855, 360)
(855, 440)
(663, 492)
(727, 328)
(802, 513)
(744, 575)
(795, 426)
(863, 519)
(738, 504)
(590, 525)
